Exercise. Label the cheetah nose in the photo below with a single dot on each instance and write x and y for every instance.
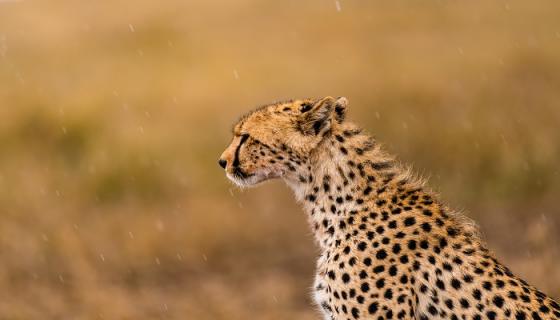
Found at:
(222, 163)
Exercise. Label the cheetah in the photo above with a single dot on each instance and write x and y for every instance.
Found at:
(389, 248)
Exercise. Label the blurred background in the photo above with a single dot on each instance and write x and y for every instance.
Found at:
(113, 115)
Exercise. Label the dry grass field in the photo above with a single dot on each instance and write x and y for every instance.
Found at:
(113, 115)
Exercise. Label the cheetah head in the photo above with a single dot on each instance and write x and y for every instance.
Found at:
(276, 140)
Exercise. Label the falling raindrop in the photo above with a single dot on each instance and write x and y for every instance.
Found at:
(160, 225)
(337, 4)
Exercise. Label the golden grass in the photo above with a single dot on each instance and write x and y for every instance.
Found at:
(114, 114)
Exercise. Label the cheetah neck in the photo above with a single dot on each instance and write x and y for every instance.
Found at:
(347, 172)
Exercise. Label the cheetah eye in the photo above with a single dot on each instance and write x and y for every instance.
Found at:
(305, 107)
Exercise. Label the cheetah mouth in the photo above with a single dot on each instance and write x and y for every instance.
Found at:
(245, 179)
(240, 174)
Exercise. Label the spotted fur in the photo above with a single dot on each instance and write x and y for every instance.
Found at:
(389, 248)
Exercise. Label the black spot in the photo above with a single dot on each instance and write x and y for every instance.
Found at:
(404, 279)
(372, 309)
(345, 278)
(364, 287)
(426, 227)
(381, 254)
(362, 246)
(379, 269)
(500, 284)
(452, 232)
(410, 221)
(363, 274)
(381, 165)
(456, 284)
(498, 301)
(477, 294)
(404, 259)
(355, 313)
(432, 310)
(412, 244)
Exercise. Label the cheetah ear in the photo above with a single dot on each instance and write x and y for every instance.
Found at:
(340, 109)
(317, 116)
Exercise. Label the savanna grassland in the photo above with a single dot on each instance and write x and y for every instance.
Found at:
(113, 115)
